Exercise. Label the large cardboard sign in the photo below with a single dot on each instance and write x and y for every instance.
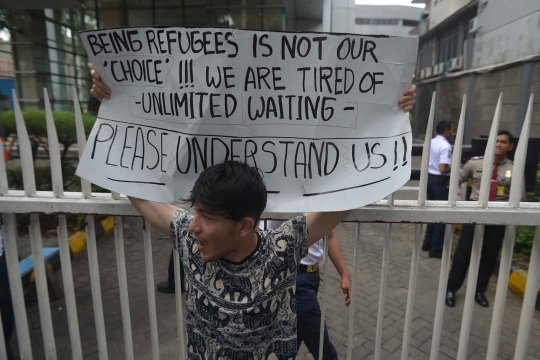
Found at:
(317, 114)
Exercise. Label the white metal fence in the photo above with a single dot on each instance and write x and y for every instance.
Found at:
(512, 214)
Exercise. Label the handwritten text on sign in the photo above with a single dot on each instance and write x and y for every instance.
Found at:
(316, 113)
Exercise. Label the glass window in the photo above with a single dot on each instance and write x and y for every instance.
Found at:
(272, 2)
(141, 17)
(110, 18)
(410, 23)
(196, 16)
(254, 19)
(170, 17)
(273, 19)
(139, 4)
(90, 22)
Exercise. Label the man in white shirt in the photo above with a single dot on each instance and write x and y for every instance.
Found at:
(440, 160)
(6, 308)
(307, 287)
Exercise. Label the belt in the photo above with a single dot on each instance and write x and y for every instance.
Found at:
(438, 176)
(308, 268)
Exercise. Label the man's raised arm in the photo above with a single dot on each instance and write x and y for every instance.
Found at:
(321, 223)
(157, 214)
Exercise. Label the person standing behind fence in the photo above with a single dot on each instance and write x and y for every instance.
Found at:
(440, 160)
(493, 234)
(6, 308)
(307, 287)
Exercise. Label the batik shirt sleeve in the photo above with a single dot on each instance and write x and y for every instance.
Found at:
(179, 228)
(295, 232)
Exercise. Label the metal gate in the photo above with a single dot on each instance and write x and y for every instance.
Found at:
(512, 214)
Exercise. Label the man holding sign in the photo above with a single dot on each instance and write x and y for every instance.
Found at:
(240, 282)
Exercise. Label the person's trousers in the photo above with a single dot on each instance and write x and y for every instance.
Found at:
(6, 307)
(171, 272)
(309, 316)
(493, 238)
(436, 190)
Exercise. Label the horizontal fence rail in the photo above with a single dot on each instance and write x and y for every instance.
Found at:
(512, 213)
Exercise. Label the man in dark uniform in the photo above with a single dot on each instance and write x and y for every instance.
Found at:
(440, 160)
(493, 234)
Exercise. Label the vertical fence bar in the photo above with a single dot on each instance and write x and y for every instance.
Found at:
(382, 292)
(529, 301)
(69, 288)
(3, 190)
(489, 156)
(81, 141)
(63, 242)
(509, 238)
(179, 308)
(472, 279)
(3, 176)
(150, 290)
(422, 191)
(448, 235)
(356, 259)
(323, 302)
(29, 184)
(122, 285)
(96, 287)
(441, 292)
(411, 292)
(25, 151)
(41, 288)
(422, 196)
(54, 149)
(453, 187)
(478, 239)
(9, 230)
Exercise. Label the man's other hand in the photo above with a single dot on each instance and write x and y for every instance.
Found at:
(347, 288)
(407, 101)
(99, 89)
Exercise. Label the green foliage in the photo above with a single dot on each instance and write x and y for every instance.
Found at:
(36, 124)
(525, 234)
(43, 179)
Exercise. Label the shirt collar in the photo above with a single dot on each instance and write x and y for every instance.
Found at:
(442, 137)
(503, 161)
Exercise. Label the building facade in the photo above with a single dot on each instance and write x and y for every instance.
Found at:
(481, 49)
(391, 20)
(40, 47)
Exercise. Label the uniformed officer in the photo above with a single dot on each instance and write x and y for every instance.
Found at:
(493, 234)
(440, 159)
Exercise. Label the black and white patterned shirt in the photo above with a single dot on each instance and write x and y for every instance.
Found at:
(242, 310)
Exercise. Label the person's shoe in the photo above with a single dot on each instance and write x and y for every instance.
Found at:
(480, 299)
(450, 299)
(435, 254)
(426, 246)
(165, 287)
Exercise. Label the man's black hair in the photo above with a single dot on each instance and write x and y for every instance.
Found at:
(443, 125)
(509, 134)
(230, 189)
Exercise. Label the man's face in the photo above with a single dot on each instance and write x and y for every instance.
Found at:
(449, 134)
(503, 145)
(216, 236)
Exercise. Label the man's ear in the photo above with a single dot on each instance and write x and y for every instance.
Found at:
(511, 147)
(247, 225)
